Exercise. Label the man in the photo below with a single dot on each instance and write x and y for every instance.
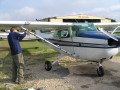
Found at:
(18, 63)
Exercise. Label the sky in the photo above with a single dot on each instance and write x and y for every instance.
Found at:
(38, 9)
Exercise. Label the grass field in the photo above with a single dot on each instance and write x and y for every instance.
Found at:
(29, 47)
(117, 34)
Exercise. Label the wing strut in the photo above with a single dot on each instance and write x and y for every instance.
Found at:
(108, 34)
(56, 47)
(115, 29)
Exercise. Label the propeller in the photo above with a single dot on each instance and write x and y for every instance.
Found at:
(108, 34)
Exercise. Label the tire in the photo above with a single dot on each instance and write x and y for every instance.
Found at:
(100, 71)
(48, 65)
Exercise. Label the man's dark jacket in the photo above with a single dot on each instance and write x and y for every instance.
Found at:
(13, 40)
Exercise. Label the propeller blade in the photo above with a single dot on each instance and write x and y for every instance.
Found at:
(108, 34)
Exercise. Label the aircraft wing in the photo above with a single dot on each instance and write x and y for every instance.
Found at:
(110, 27)
(34, 25)
(107, 24)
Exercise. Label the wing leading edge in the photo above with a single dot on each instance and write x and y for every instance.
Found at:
(33, 25)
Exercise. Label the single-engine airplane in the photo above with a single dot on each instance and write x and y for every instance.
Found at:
(78, 40)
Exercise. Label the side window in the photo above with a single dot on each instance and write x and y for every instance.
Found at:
(63, 33)
(75, 31)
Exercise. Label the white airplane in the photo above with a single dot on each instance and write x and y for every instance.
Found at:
(78, 40)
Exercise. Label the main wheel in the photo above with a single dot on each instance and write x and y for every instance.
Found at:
(48, 65)
(100, 71)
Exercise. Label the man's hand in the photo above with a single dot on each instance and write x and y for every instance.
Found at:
(25, 29)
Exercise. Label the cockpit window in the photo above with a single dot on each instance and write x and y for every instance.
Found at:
(63, 33)
(84, 27)
(76, 30)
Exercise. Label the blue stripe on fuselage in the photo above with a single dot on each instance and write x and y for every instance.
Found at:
(80, 44)
(97, 35)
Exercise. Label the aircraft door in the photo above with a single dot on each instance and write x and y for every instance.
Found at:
(65, 40)
(77, 41)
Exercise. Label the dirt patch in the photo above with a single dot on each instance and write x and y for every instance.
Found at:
(66, 75)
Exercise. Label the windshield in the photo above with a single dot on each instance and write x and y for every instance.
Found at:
(83, 27)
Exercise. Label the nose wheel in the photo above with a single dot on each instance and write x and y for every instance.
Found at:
(100, 71)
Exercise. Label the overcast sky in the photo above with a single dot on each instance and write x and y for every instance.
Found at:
(37, 9)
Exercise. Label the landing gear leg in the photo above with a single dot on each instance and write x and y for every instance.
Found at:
(48, 64)
(100, 70)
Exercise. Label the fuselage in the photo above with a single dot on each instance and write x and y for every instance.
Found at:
(89, 45)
